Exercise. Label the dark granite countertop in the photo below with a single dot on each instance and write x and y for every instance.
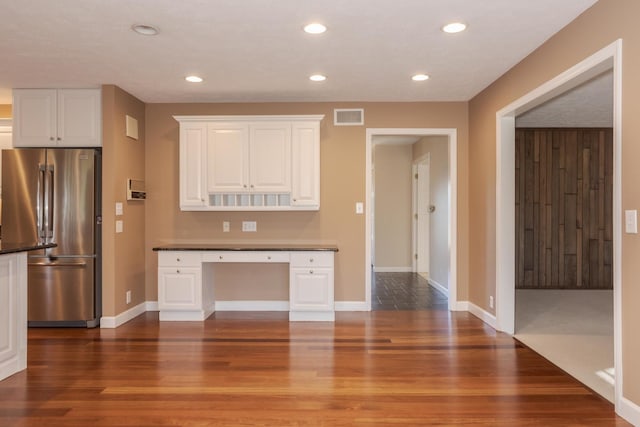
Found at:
(9, 248)
(246, 247)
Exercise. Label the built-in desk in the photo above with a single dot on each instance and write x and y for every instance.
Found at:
(186, 284)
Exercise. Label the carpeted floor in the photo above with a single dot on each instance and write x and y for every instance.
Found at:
(573, 329)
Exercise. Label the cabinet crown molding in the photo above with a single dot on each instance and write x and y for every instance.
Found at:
(290, 118)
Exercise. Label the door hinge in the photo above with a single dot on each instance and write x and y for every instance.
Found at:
(416, 256)
(415, 176)
(415, 216)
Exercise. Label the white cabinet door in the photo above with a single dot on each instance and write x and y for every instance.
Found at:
(311, 289)
(227, 158)
(306, 164)
(179, 288)
(193, 146)
(270, 157)
(79, 118)
(57, 118)
(35, 118)
(13, 313)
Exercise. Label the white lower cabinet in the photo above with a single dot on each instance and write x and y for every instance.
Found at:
(13, 314)
(311, 286)
(180, 292)
(179, 288)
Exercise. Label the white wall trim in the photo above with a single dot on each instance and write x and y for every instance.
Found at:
(352, 306)
(628, 410)
(480, 313)
(152, 306)
(109, 322)
(438, 287)
(609, 57)
(252, 305)
(393, 269)
(453, 203)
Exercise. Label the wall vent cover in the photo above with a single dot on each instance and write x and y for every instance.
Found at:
(348, 117)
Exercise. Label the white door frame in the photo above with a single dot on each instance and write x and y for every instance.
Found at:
(415, 239)
(607, 58)
(452, 134)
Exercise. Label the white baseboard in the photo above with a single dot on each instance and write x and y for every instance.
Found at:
(438, 287)
(108, 322)
(152, 306)
(351, 306)
(629, 411)
(480, 313)
(252, 305)
(393, 269)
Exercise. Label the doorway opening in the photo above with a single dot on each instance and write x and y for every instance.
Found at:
(390, 254)
(607, 59)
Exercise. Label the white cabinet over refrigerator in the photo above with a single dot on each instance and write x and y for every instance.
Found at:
(57, 118)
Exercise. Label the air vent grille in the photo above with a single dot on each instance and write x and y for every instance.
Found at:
(348, 117)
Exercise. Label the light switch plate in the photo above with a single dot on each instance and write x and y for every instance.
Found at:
(226, 226)
(119, 226)
(631, 221)
(119, 208)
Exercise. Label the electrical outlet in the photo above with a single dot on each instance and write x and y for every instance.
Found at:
(359, 207)
(128, 297)
(119, 226)
(491, 302)
(249, 226)
(226, 226)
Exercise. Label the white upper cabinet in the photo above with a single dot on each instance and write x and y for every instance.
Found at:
(228, 157)
(57, 118)
(270, 157)
(193, 140)
(250, 163)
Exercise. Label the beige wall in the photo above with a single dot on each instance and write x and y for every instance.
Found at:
(122, 158)
(5, 111)
(438, 149)
(342, 185)
(598, 27)
(392, 211)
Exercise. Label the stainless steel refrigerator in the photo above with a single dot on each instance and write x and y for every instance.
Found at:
(53, 195)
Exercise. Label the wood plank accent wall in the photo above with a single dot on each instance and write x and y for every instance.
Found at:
(564, 200)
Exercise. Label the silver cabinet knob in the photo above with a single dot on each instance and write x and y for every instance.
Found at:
(51, 138)
(178, 271)
(268, 257)
(220, 256)
(310, 259)
(310, 271)
(178, 259)
(59, 139)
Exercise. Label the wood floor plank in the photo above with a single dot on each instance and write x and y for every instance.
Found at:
(245, 369)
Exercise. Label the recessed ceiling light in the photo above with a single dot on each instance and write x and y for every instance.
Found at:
(420, 77)
(315, 28)
(454, 27)
(145, 30)
(193, 79)
(317, 78)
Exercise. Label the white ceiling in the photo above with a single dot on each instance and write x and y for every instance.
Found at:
(255, 50)
(587, 105)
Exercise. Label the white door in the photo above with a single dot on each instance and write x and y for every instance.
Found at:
(421, 217)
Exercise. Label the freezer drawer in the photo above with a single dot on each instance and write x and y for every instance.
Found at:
(61, 290)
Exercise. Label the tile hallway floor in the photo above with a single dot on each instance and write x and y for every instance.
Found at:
(405, 291)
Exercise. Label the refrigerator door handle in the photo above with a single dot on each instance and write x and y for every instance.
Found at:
(59, 264)
(40, 201)
(50, 203)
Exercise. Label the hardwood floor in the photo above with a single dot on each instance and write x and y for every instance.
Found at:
(405, 368)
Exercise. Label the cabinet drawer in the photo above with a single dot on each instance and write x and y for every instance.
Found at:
(179, 258)
(246, 256)
(312, 259)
